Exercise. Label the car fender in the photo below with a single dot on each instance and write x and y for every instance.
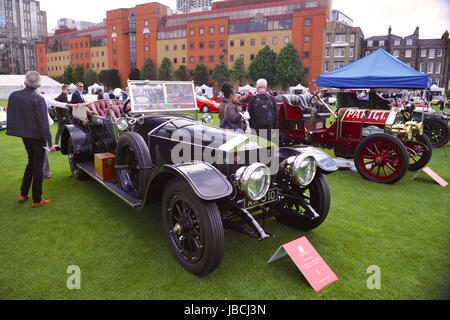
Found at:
(81, 141)
(325, 163)
(204, 180)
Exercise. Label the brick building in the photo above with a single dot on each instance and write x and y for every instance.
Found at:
(231, 29)
(430, 56)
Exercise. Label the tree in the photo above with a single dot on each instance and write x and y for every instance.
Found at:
(67, 75)
(78, 74)
(200, 74)
(264, 66)
(165, 70)
(103, 77)
(135, 74)
(238, 72)
(90, 77)
(148, 70)
(220, 73)
(114, 79)
(181, 73)
(290, 69)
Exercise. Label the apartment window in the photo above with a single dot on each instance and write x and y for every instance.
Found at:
(307, 22)
(146, 48)
(286, 40)
(76, 45)
(328, 38)
(369, 43)
(222, 29)
(201, 45)
(175, 47)
(381, 43)
(263, 41)
(274, 40)
(339, 52)
(114, 27)
(397, 42)
(115, 63)
(211, 30)
(437, 68)
(87, 44)
(423, 53)
(430, 67)
(191, 45)
(327, 52)
(307, 38)
(252, 57)
(408, 53)
(87, 66)
(351, 52)
(183, 47)
(338, 64)
(201, 31)
(340, 38)
(431, 53)
(252, 42)
(221, 58)
(231, 43)
(422, 67)
(191, 59)
(231, 58)
(145, 35)
(211, 58)
(241, 57)
(167, 47)
(103, 53)
(352, 37)
(222, 43)
(242, 42)
(191, 32)
(211, 44)
(201, 59)
(81, 45)
(114, 40)
(146, 23)
(409, 42)
(439, 53)
(327, 66)
(183, 60)
(396, 53)
(306, 55)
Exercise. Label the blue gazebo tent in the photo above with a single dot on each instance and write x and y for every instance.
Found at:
(376, 70)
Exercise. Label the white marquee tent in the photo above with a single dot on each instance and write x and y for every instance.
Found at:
(205, 90)
(11, 83)
(93, 89)
(299, 88)
(248, 88)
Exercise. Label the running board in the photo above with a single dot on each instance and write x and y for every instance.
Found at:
(113, 186)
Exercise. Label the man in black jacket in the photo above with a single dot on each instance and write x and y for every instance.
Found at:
(62, 114)
(27, 118)
(263, 110)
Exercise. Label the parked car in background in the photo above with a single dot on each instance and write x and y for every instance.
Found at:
(2, 118)
(206, 105)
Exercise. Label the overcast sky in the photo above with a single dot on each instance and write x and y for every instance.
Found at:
(372, 16)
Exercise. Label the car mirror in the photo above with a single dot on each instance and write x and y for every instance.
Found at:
(207, 118)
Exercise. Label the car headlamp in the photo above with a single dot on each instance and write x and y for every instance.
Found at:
(122, 124)
(254, 180)
(302, 169)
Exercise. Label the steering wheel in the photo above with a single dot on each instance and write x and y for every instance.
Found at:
(318, 97)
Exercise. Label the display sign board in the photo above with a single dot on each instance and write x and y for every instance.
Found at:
(433, 175)
(308, 261)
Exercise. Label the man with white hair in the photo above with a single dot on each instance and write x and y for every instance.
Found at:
(263, 111)
(28, 119)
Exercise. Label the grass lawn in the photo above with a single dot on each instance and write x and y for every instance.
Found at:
(123, 254)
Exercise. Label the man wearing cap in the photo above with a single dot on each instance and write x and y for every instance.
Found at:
(263, 110)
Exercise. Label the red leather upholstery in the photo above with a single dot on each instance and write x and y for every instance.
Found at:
(105, 108)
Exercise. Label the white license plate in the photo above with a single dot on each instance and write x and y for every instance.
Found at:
(271, 196)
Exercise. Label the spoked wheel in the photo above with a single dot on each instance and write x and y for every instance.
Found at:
(437, 130)
(132, 157)
(294, 211)
(420, 151)
(205, 109)
(77, 173)
(381, 158)
(193, 228)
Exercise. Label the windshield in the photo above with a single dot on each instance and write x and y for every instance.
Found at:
(157, 96)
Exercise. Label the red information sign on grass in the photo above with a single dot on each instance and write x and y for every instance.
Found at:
(308, 261)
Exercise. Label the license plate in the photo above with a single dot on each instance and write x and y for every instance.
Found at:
(271, 196)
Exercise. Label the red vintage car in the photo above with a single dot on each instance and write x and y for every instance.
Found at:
(382, 145)
(206, 105)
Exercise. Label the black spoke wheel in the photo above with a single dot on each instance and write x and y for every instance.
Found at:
(132, 159)
(437, 130)
(292, 211)
(420, 151)
(77, 173)
(193, 228)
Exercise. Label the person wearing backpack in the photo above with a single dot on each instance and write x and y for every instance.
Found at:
(263, 110)
(229, 114)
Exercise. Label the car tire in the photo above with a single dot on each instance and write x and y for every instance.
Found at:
(77, 173)
(132, 156)
(193, 228)
(381, 151)
(317, 194)
(437, 130)
(205, 108)
(418, 156)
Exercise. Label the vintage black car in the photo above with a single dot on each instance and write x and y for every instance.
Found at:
(207, 178)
